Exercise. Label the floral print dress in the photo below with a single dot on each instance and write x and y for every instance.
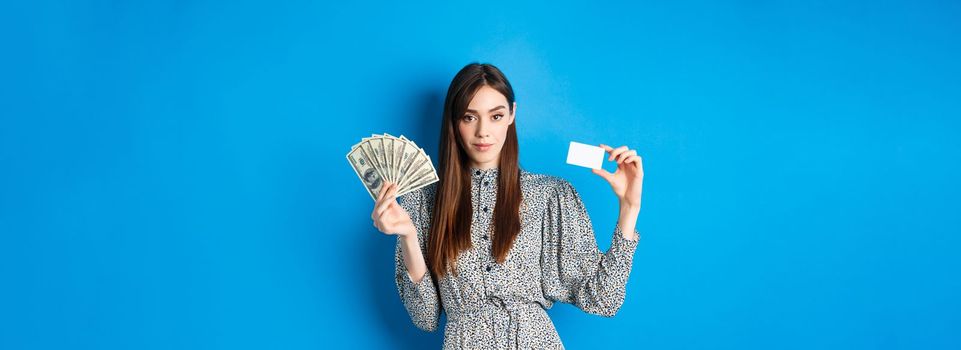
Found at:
(555, 258)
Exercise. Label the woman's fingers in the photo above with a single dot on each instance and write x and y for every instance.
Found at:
(602, 173)
(382, 208)
(634, 161)
(382, 197)
(392, 194)
(617, 151)
(621, 157)
(388, 223)
(378, 201)
(620, 154)
(388, 200)
(383, 191)
(379, 219)
(381, 226)
(385, 198)
(386, 192)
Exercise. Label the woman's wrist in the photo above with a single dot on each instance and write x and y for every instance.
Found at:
(409, 242)
(409, 234)
(628, 206)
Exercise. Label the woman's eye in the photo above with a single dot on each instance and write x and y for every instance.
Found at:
(498, 117)
(468, 118)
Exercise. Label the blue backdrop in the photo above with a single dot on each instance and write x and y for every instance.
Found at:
(172, 174)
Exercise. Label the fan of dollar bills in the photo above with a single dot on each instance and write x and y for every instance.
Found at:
(381, 158)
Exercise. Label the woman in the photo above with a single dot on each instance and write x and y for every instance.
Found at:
(495, 269)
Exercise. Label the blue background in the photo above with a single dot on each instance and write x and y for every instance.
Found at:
(172, 174)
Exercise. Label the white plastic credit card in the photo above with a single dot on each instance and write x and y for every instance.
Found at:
(585, 155)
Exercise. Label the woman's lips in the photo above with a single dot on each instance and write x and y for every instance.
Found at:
(483, 147)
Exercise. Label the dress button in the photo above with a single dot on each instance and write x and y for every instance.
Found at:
(485, 183)
(485, 237)
(488, 268)
(477, 172)
(485, 209)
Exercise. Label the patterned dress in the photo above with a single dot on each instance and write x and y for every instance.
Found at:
(555, 258)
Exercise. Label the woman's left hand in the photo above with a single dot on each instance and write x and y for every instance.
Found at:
(628, 179)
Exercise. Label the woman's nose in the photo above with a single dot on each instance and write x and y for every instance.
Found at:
(481, 131)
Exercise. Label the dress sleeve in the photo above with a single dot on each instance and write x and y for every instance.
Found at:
(420, 299)
(574, 270)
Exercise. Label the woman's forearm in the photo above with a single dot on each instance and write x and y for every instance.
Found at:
(413, 257)
(627, 219)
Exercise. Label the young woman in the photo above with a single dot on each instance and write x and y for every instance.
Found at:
(502, 244)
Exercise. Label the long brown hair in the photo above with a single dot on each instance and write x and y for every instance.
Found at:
(451, 224)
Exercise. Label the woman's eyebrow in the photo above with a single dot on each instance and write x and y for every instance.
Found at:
(492, 109)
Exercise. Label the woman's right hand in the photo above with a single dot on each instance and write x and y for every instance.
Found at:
(389, 217)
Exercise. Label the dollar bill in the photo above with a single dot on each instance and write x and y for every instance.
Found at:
(386, 158)
(365, 170)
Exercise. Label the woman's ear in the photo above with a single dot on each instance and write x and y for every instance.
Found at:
(513, 111)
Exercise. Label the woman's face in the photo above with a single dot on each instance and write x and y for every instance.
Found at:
(483, 127)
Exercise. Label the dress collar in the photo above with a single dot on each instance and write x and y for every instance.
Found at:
(476, 173)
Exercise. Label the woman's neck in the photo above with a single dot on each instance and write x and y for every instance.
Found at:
(484, 166)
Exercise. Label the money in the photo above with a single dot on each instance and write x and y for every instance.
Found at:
(381, 158)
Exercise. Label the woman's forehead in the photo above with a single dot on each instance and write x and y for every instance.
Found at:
(486, 99)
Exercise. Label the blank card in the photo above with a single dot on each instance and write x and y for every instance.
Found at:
(585, 155)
